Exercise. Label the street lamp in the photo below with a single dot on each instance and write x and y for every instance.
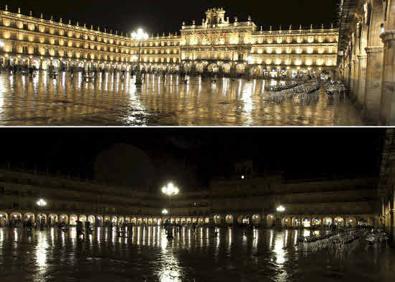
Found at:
(41, 203)
(280, 208)
(139, 35)
(170, 190)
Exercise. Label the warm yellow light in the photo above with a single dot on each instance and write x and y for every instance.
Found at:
(280, 208)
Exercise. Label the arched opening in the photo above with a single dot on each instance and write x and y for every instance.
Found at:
(316, 222)
(207, 220)
(351, 222)
(64, 219)
(256, 219)
(229, 219)
(52, 219)
(114, 220)
(270, 221)
(226, 68)
(287, 222)
(99, 220)
(92, 219)
(121, 220)
(3, 219)
(107, 220)
(339, 221)
(73, 219)
(306, 223)
(240, 68)
(42, 218)
(83, 218)
(296, 222)
(256, 71)
(327, 221)
(213, 68)
(217, 219)
(201, 220)
(29, 217)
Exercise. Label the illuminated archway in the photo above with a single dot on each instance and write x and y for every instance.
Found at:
(229, 219)
(3, 219)
(92, 219)
(339, 221)
(256, 219)
(217, 219)
(63, 218)
(306, 223)
(270, 220)
(29, 217)
(52, 219)
(73, 219)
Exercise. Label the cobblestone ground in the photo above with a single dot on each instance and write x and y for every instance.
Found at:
(160, 101)
(229, 255)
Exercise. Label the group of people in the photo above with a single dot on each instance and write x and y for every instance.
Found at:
(340, 239)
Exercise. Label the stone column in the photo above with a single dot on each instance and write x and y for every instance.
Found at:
(361, 79)
(388, 98)
(373, 90)
(355, 81)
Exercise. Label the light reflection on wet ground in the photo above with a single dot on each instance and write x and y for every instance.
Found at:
(109, 100)
(257, 255)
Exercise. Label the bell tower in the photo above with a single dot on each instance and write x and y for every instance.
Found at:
(215, 16)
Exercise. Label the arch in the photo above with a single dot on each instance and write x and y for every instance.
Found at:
(270, 220)
(296, 222)
(107, 219)
(306, 223)
(287, 222)
(226, 68)
(3, 219)
(213, 68)
(73, 219)
(327, 221)
(82, 218)
(241, 68)
(42, 218)
(114, 220)
(256, 219)
(201, 220)
(63, 218)
(256, 71)
(133, 220)
(29, 216)
(99, 220)
(229, 219)
(15, 216)
(316, 222)
(351, 221)
(92, 219)
(339, 221)
(121, 220)
(217, 219)
(207, 220)
(52, 218)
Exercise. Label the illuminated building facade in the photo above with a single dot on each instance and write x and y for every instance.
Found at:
(253, 200)
(216, 46)
(366, 56)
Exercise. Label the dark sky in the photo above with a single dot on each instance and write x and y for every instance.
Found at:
(159, 16)
(192, 157)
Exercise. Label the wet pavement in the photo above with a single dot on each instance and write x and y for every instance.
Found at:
(257, 255)
(112, 101)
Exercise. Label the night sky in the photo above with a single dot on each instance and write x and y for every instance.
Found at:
(158, 16)
(145, 158)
